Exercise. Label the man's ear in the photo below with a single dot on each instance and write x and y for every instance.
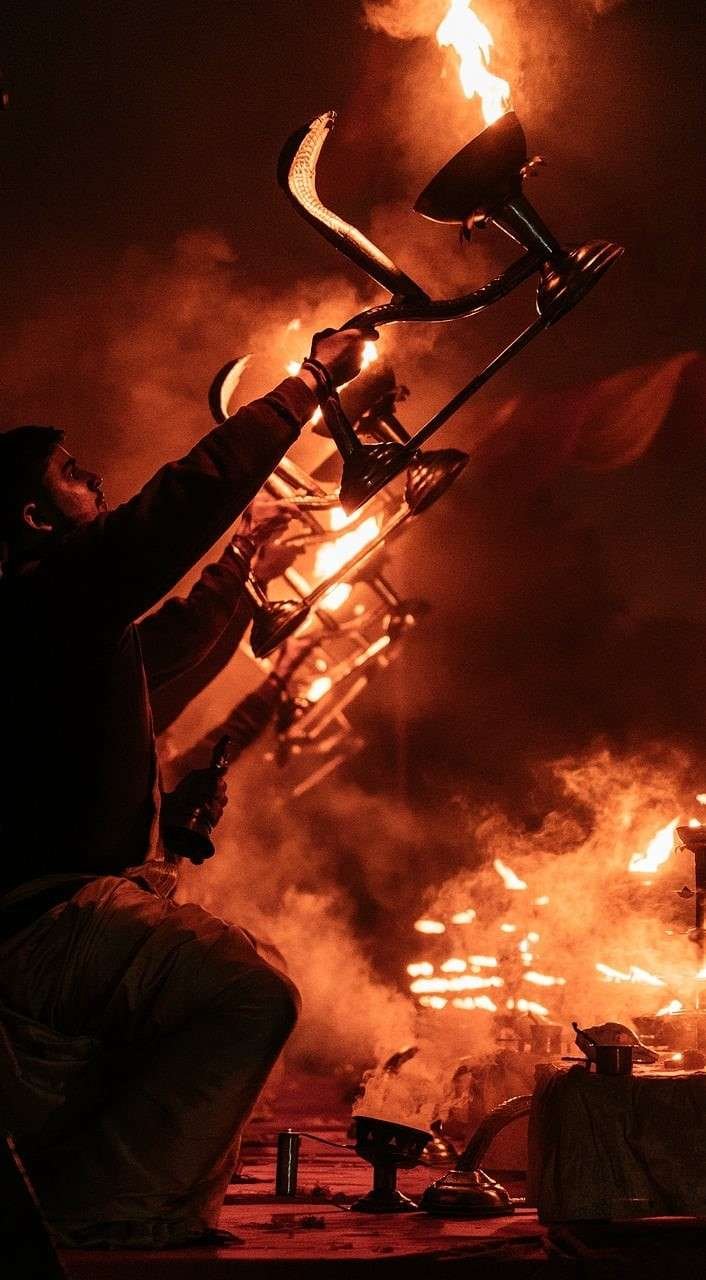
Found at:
(34, 520)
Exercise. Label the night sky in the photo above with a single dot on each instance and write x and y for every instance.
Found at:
(145, 241)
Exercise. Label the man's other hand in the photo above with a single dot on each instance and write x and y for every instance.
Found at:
(203, 791)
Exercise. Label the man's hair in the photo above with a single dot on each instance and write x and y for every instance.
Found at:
(24, 454)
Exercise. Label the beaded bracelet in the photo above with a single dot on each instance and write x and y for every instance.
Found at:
(320, 373)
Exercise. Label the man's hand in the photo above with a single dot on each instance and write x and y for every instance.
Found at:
(340, 351)
(203, 791)
(265, 518)
(264, 521)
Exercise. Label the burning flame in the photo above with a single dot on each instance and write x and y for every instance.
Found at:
(336, 597)
(674, 1006)
(464, 917)
(543, 979)
(429, 926)
(657, 852)
(507, 875)
(463, 30)
(634, 974)
(318, 688)
(332, 556)
(465, 982)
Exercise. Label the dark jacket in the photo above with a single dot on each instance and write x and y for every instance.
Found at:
(77, 785)
(189, 640)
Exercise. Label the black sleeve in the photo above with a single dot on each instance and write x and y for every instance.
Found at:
(180, 634)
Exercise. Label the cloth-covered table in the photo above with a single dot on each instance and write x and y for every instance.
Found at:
(611, 1147)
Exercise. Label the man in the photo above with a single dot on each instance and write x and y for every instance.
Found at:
(182, 1015)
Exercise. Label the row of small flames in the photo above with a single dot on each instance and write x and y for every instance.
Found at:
(458, 976)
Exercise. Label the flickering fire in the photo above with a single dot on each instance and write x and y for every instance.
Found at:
(463, 31)
(332, 556)
(507, 875)
(657, 852)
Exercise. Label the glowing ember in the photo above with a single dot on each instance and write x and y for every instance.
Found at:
(453, 966)
(464, 32)
(318, 688)
(429, 926)
(332, 556)
(657, 852)
(507, 875)
(508, 928)
(483, 962)
(674, 1006)
(634, 974)
(701, 797)
(420, 969)
(433, 1002)
(464, 917)
(543, 979)
(542, 902)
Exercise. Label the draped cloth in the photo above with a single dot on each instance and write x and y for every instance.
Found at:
(143, 1032)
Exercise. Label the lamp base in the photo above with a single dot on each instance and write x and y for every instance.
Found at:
(465, 1193)
(567, 279)
(274, 623)
(368, 470)
(384, 1200)
(430, 474)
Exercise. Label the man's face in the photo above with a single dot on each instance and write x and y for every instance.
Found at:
(73, 495)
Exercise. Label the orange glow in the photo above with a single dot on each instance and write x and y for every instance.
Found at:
(507, 875)
(464, 32)
(429, 926)
(657, 852)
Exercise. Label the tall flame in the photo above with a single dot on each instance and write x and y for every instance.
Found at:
(463, 30)
(657, 852)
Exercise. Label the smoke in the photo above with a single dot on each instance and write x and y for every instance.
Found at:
(572, 936)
